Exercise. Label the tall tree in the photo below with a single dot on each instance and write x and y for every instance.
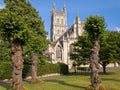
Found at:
(19, 23)
(95, 26)
(109, 49)
(35, 48)
(13, 28)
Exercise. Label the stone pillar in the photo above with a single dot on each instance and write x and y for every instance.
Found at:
(65, 52)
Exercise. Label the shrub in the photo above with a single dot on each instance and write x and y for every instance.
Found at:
(83, 68)
(47, 68)
(5, 70)
(26, 70)
(63, 68)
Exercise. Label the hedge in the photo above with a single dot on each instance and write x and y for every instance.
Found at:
(83, 68)
(5, 70)
(48, 68)
(63, 68)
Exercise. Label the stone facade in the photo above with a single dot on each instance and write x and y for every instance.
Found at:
(63, 37)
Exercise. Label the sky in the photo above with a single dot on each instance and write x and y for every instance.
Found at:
(109, 9)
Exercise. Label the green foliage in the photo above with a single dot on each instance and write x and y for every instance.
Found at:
(95, 26)
(5, 70)
(109, 48)
(63, 68)
(109, 51)
(26, 70)
(82, 50)
(46, 68)
(83, 68)
(20, 22)
(4, 51)
(13, 27)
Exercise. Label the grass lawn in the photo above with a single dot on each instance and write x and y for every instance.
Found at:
(74, 82)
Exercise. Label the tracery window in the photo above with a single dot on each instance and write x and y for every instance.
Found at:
(58, 53)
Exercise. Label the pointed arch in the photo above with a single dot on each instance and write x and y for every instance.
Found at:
(58, 53)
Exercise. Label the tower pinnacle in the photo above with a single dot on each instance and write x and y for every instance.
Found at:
(64, 8)
(54, 8)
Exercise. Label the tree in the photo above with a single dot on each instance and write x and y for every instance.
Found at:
(95, 26)
(35, 48)
(82, 49)
(109, 51)
(13, 28)
(19, 24)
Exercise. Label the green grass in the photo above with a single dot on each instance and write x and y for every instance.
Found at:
(75, 82)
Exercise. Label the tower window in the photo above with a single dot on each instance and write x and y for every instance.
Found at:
(57, 20)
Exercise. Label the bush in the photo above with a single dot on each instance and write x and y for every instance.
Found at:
(63, 68)
(83, 68)
(5, 70)
(47, 68)
(26, 70)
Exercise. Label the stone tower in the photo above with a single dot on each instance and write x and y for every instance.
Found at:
(58, 23)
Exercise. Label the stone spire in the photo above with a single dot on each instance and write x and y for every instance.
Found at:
(64, 8)
(77, 19)
(54, 8)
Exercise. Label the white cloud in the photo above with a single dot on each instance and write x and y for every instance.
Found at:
(117, 28)
(2, 6)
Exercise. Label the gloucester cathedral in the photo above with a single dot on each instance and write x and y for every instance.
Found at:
(62, 37)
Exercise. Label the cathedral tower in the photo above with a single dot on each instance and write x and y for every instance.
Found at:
(58, 23)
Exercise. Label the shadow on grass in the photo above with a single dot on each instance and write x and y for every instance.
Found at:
(64, 83)
(107, 73)
(79, 73)
(6, 85)
(111, 79)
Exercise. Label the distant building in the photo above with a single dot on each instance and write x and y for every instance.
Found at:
(63, 37)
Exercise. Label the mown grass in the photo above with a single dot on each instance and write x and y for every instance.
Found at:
(73, 82)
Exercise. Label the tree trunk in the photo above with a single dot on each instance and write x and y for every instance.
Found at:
(34, 66)
(17, 66)
(94, 66)
(104, 68)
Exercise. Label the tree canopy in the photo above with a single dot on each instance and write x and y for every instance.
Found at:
(95, 26)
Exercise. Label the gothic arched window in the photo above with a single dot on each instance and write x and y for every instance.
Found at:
(57, 21)
(58, 53)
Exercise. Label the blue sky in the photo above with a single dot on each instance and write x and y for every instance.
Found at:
(109, 9)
